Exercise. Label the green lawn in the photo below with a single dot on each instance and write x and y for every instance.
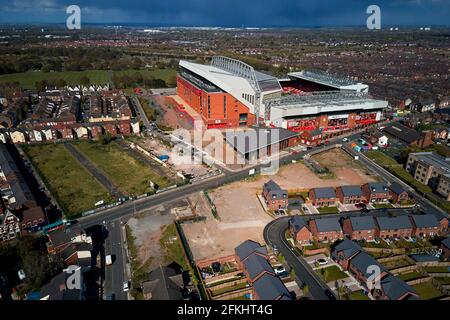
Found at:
(173, 249)
(382, 205)
(410, 275)
(437, 269)
(332, 273)
(381, 158)
(28, 79)
(328, 210)
(236, 287)
(69, 182)
(443, 280)
(427, 290)
(396, 263)
(131, 175)
(358, 295)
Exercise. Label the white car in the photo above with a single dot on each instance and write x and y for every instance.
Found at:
(126, 286)
(321, 261)
(345, 140)
(279, 270)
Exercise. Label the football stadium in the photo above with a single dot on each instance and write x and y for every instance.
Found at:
(229, 93)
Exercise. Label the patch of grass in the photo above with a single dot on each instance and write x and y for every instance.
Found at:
(382, 205)
(427, 290)
(358, 295)
(173, 249)
(236, 287)
(129, 174)
(443, 280)
(328, 210)
(437, 269)
(332, 273)
(410, 275)
(399, 263)
(69, 182)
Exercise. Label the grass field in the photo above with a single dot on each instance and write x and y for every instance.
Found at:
(332, 273)
(127, 173)
(69, 182)
(328, 210)
(28, 79)
(427, 290)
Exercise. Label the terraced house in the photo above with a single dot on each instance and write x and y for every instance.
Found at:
(353, 258)
(394, 227)
(349, 194)
(375, 192)
(425, 225)
(326, 229)
(323, 197)
(360, 228)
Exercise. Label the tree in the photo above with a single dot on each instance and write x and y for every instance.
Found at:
(106, 138)
(61, 83)
(84, 80)
(41, 85)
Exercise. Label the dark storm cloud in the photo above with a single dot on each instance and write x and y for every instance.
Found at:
(229, 12)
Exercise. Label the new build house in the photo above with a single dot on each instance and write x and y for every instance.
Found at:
(323, 197)
(349, 194)
(394, 227)
(275, 197)
(326, 229)
(360, 228)
(376, 192)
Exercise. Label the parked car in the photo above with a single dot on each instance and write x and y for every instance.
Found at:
(321, 261)
(345, 140)
(409, 239)
(330, 294)
(279, 270)
(126, 286)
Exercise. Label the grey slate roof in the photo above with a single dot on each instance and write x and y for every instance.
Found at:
(398, 222)
(363, 223)
(348, 248)
(351, 191)
(396, 188)
(377, 187)
(328, 224)
(298, 223)
(363, 260)
(274, 190)
(446, 242)
(255, 265)
(425, 220)
(247, 247)
(324, 193)
(163, 284)
(270, 287)
(402, 132)
(395, 288)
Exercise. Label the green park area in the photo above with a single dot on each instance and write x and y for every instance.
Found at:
(129, 174)
(69, 182)
(28, 80)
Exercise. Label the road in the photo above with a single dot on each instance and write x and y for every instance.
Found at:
(140, 112)
(99, 176)
(274, 236)
(115, 273)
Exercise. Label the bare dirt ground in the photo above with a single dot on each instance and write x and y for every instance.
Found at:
(242, 216)
(147, 227)
(344, 167)
(172, 117)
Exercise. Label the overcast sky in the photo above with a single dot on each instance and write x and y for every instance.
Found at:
(230, 13)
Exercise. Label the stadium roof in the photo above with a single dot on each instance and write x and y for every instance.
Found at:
(327, 79)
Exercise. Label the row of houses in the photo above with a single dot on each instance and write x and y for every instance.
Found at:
(365, 227)
(383, 285)
(70, 132)
(253, 259)
(19, 211)
(276, 198)
(372, 192)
